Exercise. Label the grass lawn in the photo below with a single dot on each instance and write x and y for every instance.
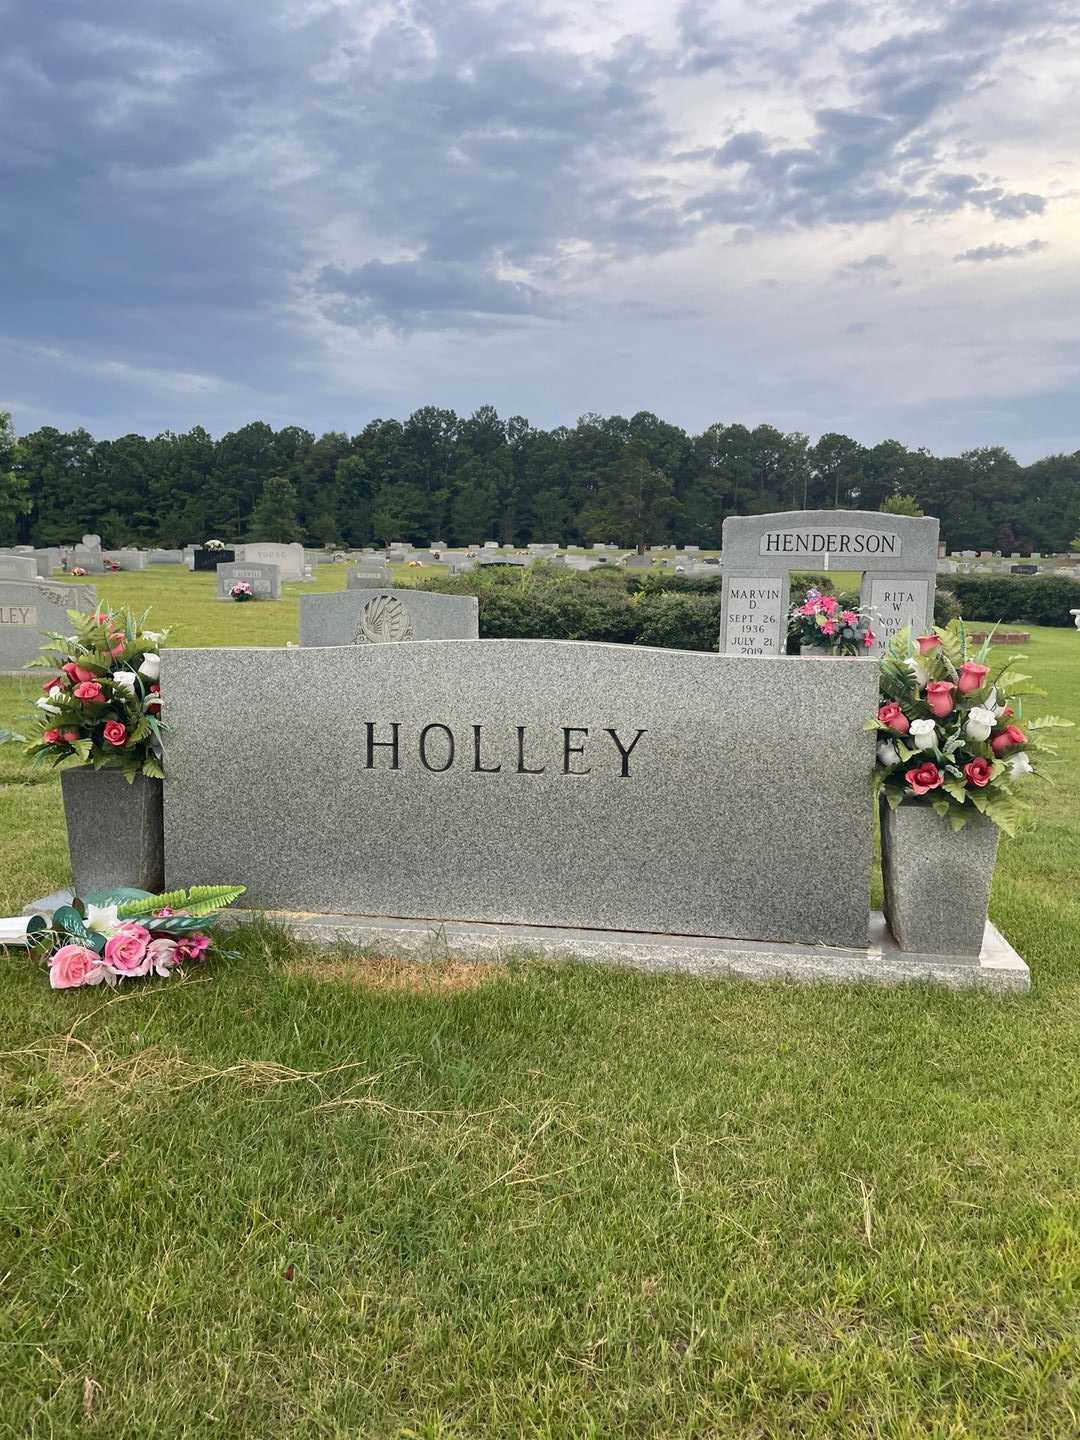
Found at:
(314, 1195)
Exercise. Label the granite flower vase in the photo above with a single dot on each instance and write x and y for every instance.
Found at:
(937, 879)
(115, 830)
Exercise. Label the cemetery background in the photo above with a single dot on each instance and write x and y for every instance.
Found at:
(792, 1183)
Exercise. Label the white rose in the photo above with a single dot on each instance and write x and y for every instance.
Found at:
(55, 692)
(1020, 765)
(124, 680)
(151, 667)
(920, 671)
(980, 722)
(43, 704)
(887, 753)
(923, 734)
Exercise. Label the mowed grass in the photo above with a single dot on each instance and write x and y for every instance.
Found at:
(307, 1194)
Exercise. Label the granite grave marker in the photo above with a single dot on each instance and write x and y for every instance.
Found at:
(372, 617)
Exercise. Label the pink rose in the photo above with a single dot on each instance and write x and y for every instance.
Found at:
(125, 950)
(978, 772)
(1007, 739)
(972, 677)
(71, 736)
(75, 965)
(926, 643)
(116, 733)
(89, 690)
(162, 956)
(51, 737)
(192, 947)
(925, 778)
(939, 696)
(77, 672)
(892, 716)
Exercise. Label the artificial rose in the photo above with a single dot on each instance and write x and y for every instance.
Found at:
(119, 644)
(924, 779)
(77, 673)
(939, 696)
(1020, 765)
(972, 677)
(43, 704)
(116, 733)
(888, 754)
(71, 736)
(829, 628)
(162, 956)
(810, 608)
(869, 638)
(50, 737)
(52, 683)
(75, 965)
(124, 680)
(151, 666)
(926, 643)
(192, 947)
(980, 722)
(923, 734)
(125, 950)
(1008, 739)
(891, 715)
(830, 604)
(978, 772)
(89, 691)
(849, 617)
(153, 706)
(919, 670)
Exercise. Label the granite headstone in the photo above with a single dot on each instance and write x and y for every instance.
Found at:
(537, 782)
(265, 580)
(761, 550)
(367, 617)
(30, 607)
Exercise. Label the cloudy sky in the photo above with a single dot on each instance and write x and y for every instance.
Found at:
(844, 215)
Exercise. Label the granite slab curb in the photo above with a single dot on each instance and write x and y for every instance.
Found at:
(998, 968)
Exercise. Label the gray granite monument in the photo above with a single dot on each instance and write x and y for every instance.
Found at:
(369, 574)
(265, 580)
(538, 782)
(30, 607)
(372, 617)
(895, 554)
(18, 567)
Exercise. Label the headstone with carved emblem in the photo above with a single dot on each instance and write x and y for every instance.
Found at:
(374, 617)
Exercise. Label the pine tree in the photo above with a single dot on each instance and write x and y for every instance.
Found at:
(274, 515)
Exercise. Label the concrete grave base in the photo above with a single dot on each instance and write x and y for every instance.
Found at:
(998, 968)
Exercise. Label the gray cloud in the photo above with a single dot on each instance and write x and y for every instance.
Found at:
(979, 254)
(254, 194)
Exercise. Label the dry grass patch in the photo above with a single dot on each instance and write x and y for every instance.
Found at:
(390, 972)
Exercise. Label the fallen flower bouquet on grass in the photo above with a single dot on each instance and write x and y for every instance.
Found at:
(126, 933)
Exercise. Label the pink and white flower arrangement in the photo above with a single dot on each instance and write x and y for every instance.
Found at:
(823, 620)
(128, 934)
(242, 590)
(948, 731)
(102, 700)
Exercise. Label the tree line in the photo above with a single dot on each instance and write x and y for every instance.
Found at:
(463, 480)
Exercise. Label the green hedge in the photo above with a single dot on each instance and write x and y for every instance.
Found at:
(1038, 599)
(543, 603)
